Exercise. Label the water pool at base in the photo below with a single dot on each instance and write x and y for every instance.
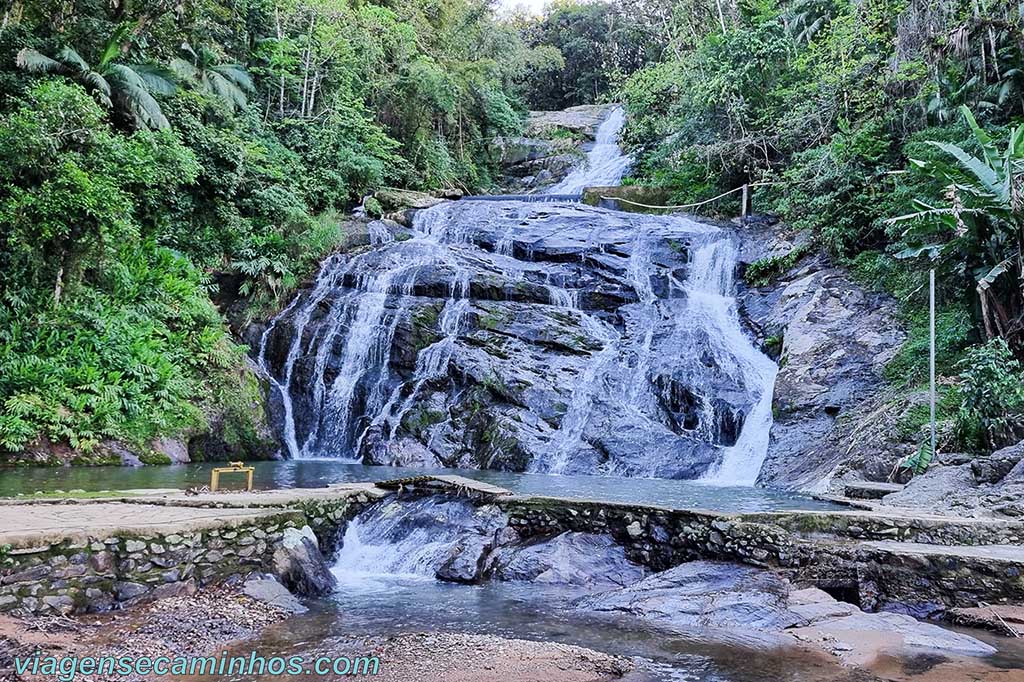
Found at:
(320, 473)
(365, 608)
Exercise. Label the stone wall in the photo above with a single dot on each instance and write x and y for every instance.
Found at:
(78, 574)
(75, 573)
(654, 537)
(837, 552)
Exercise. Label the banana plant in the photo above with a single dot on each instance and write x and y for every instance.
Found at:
(127, 89)
(982, 227)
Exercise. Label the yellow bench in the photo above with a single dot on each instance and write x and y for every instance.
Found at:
(235, 468)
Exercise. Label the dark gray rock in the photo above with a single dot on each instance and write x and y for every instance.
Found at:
(466, 560)
(578, 559)
(298, 564)
(997, 466)
(836, 338)
(127, 591)
(702, 594)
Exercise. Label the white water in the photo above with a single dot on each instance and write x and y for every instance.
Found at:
(360, 326)
(606, 164)
(410, 540)
(710, 298)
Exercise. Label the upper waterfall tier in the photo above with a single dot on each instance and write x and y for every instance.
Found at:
(605, 165)
(555, 338)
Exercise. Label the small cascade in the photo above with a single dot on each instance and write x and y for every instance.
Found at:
(606, 164)
(331, 274)
(710, 292)
(410, 539)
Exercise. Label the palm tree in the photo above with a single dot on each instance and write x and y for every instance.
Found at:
(128, 89)
(229, 82)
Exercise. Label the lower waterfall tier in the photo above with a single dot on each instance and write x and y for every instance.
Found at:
(554, 338)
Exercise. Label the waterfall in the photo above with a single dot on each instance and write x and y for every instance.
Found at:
(356, 337)
(606, 164)
(550, 337)
(710, 294)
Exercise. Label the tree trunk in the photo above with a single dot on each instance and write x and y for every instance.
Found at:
(58, 286)
(309, 58)
(280, 38)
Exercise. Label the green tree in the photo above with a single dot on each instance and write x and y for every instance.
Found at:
(981, 229)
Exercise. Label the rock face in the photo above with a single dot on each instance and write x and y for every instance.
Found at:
(518, 336)
(834, 339)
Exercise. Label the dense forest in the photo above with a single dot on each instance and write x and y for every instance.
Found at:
(149, 148)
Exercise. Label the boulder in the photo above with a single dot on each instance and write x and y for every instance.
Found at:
(298, 564)
(267, 589)
(578, 559)
(997, 466)
(393, 200)
(702, 594)
(465, 562)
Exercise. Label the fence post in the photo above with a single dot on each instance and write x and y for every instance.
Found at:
(746, 201)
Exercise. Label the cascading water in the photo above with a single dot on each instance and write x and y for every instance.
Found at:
(710, 295)
(606, 164)
(546, 337)
(411, 539)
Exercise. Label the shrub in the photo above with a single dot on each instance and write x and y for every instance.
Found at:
(991, 396)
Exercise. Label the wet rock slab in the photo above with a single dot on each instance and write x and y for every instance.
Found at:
(701, 594)
(750, 604)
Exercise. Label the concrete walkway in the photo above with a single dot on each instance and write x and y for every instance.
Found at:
(163, 511)
(40, 523)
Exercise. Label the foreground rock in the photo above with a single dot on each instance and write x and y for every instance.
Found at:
(859, 638)
(299, 565)
(702, 594)
(744, 604)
